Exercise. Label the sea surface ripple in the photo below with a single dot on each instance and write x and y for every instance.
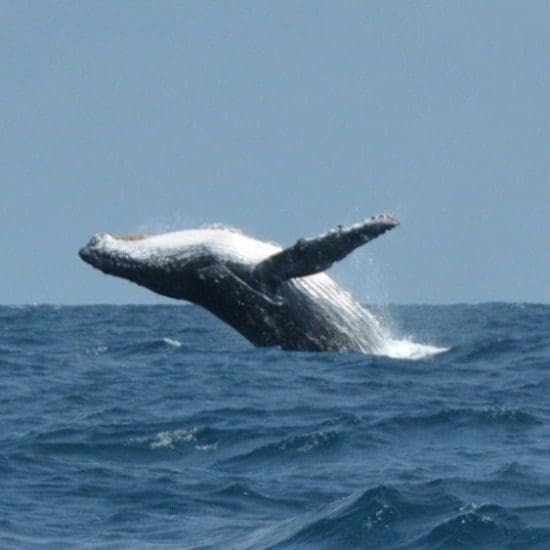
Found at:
(158, 426)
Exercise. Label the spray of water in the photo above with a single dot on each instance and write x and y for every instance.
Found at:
(366, 280)
(408, 349)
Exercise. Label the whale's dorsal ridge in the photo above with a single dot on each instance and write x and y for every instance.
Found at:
(313, 255)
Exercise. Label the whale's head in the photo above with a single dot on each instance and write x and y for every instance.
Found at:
(171, 264)
(140, 259)
(114, 255)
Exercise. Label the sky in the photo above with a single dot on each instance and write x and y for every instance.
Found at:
(283, 119)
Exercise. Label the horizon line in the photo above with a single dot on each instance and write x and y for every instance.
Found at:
(186, 304)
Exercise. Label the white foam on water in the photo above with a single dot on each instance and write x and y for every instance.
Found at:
(168, 439)
(172, 342)
(206, 448)
(407, 349)
(97, 350)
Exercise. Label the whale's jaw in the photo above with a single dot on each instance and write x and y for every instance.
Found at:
(136, 259)
(108, 254)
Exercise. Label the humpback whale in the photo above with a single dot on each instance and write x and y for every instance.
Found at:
(272, 296)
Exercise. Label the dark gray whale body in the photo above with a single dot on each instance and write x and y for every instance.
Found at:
(272, 296)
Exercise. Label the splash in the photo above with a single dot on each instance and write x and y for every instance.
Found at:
(407, 349)
(399, 345)
(371, 290)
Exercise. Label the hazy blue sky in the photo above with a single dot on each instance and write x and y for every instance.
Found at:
(284, 119)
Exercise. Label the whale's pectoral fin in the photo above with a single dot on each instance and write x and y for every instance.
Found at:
(309, 256)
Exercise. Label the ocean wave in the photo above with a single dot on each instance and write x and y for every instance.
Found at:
(294, 445)
(515, 484)
(368, 519)
(242, 496)
(137, 442)
(462, 417)
(5, 467)
(486, 526)
(147, 346)
(411, 517)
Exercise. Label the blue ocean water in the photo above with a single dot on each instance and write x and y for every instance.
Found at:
(158, 426)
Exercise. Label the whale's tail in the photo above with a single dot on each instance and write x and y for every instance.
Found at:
(309, 256)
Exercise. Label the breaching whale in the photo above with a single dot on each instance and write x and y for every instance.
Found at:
(272, 296)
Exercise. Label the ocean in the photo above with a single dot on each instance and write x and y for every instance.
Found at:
(160, 427)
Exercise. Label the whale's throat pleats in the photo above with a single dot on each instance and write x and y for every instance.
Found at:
(243, 280)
